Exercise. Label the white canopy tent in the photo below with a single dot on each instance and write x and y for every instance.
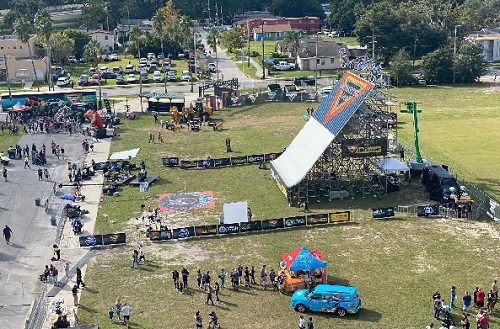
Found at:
(391, 166)
(124, 155)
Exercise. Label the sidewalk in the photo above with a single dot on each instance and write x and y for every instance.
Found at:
(70, 250)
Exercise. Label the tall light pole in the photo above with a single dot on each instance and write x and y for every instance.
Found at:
(194, 65)
(455, 51)
(316, 66)
(263, 62)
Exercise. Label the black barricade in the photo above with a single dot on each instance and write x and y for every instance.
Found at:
(222, 162)
(228, 228)
(250, 226)
(90, 240)
(188, 164)
(295, 221)
(208, 163)
(257, 158)
(239, 160)
(160, 235)
(271, 156)
(183, 232)
(205, 230)
(171, 162)
(272, 224)
(316, 219)
(339, 216)
(383, 212)
(117, 238)
(429, 210)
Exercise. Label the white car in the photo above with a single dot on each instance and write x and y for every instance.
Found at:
(284, 66)
(151, 56)
(143, 61)
(103, 69)
(105, 57)
(325, 91)
(131, 78)
(62, 82)
(113, 57)
(212, 67)
(186, 76)
(142, 68)
(129, 69)
(157, 76)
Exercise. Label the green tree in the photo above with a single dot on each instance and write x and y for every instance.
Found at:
(136, 37)
(438, 66)
(484, 13)
(297, 8)
(233, 38)
(212, 38)
(93, 13)
(292, 41)
(159, 22)
(22, 29)
(91, 51)
(44, 27)
(344, 14)
(62, 46)
(80, 38)
(470, 64)
(401, 68)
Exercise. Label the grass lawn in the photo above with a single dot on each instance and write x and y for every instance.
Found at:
(13, 86)
(458, 126)
(7, 140)
(396, 264)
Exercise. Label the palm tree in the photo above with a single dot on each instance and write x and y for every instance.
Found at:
(43, 25)
(91, 51)
(22, 29)
(212, 37)
(292, 41)
(136, 35)
(159, 22)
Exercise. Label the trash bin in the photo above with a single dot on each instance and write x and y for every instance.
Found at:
(37, 202)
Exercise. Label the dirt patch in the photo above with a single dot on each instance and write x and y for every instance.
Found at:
(180, 252)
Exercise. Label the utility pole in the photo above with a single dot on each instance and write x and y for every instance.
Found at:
(208, 7)
(373, 44)
(316, 66)
(414, 52)
(455, 53)
(248, 35)
(194, 67)
(263, 62)
(8, 80)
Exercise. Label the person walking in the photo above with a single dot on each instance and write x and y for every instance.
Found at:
(66, 269)
(198, 322)
(118, 306)
(7, 233)
(263, 277)
(135, 258)
(438, 305)
(4, 173)
(74, 291)
(302, 322)
(466, 299)
(27, 162)
(228, 145)
(40, 173)
(46, 173)
(126, 314)
(310, 324)
(55, 277)
(222, 277)
(141, 254)
(217, 291)
(79, 280)
(209, 291)
(111, 314)
(57, 251)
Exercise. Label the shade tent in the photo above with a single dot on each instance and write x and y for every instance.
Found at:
(302, 259)
(124, 155)
(391, 166)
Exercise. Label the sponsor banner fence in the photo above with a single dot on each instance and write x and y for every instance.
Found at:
(219, 162)
(358, 148)
(252, 226)
(383, 212)
(90, 240)
(102, 240)
(117, 238)
(428, 210)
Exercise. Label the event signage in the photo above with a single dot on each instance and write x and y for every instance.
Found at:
(295, 221)
(160, 235)
(383, 212)
(222, 162)
(205, 230)
(272, 224)
(183, 232)
(239, 160)
(170, 162)
(256, 158)
(90, 240)
(429, 210)
(340, 216)
(271, 156)
(228, 228)
(358, 148)
(250, 226)
(188, 164)
(207, 163)
(117, 238)
(219, 162)
(316, 219)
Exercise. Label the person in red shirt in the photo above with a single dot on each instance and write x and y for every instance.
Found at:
(484, 321)
(480, 298)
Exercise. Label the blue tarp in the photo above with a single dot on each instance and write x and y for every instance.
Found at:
(305, 261)
(67, 197)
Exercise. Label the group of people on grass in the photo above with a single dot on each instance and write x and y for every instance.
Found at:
(120, 309)
(479, 298)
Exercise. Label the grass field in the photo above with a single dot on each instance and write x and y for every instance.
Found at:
(396, 264)
(7, 140)
(458, 126)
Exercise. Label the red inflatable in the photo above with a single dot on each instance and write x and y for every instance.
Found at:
(94, 117)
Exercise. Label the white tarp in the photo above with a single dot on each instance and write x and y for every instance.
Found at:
(124, 155)
(391, 166)
(235, 212)
(305, 149)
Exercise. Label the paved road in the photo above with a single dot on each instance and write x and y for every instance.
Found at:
(30, 250)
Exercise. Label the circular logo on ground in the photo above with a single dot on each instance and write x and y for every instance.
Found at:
(187, 200)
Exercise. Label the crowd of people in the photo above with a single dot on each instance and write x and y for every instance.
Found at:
(479, 300)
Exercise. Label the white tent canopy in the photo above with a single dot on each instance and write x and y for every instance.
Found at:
(124, 155)
(391, 166)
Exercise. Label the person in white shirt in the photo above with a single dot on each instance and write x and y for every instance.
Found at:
(302, 322)
(126, 314)
(141, 253)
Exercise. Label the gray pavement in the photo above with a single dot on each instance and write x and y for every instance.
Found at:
(31, 245)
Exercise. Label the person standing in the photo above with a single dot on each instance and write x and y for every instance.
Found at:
(252, 275)
(46, 173)
(438, 305)
(466, 299)
(453, 296)
(126, 314)
(209, 290)
(57, 251)
(475, 296)
(263, 277)
(111, 314)
(465, 321)
(135, 258)
(79, 280)
(480, 295)
(7, 233)
(74, 291)
(302, 322)
(27, 162)
(40, 173)
(222, 277)
(198, 322)
(217, 291)
(494, 288)
(141, 254)
(228, 145)
(118, 306)
(66, 269)
(55, 277)
(198, 278)
(4, 173)
(185, 276)
(310, 324)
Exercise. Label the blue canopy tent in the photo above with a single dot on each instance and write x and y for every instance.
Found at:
(302, 259)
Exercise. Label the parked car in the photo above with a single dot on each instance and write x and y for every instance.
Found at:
(186, 76)
(113, 57)
(144, 76)
(131, 78)
(284, 66)
(327, 298)
(57, 72)
(303, 81)
(94, 81)
(83, 80)
(105, 57)
(103, 69)
(325, 91)
(143, 61)
(62, 82)
(120, 80)
(167, 61)
(157, 76)
(152, 68)
(171, 76)
(212, 67)
(142, 68)
(150, 56)
(92, 71)
(166, 67)
(108, 75)
(181, 56)
(72, 60)
(155, 61)
(129, 69)
(117, 69)
(160, 56)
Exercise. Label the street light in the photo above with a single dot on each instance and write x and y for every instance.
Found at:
(455, 51)
(316, 68)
